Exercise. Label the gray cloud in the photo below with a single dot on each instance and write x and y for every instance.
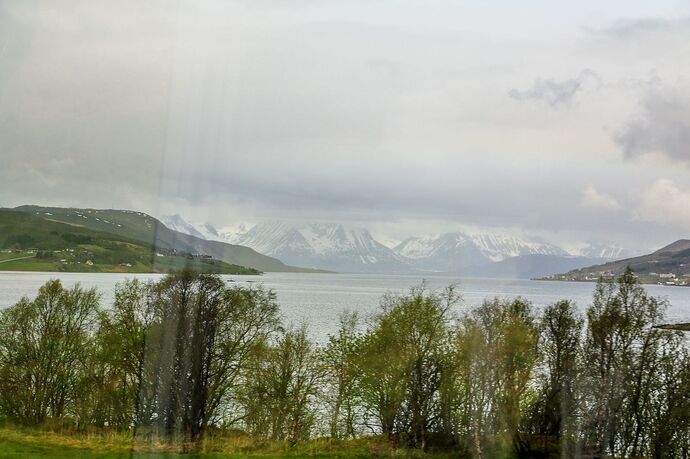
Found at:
(648, 40)
(661, 126)
(664, 202)
(644, 27)
(558, 93)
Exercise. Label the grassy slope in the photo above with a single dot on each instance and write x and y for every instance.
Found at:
(674, 257)
(108, 252)
(34, 443)
(143, 227)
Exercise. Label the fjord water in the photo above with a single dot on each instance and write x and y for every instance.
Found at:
(319, 299)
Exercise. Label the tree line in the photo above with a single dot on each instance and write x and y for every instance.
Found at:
(169, 360)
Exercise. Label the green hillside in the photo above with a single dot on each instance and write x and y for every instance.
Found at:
(35, 243)
(669, 265)
(147, 229)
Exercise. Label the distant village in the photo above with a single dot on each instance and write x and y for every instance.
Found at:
(662, 278)
(79, 256)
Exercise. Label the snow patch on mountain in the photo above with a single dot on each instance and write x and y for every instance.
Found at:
(200, 230)
(492, 246)
(322, 245)
(177, 223)
(387, 241)
(271, 237)
(230, 232)
(604, 250)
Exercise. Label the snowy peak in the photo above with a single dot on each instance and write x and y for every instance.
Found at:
(323, 245)
(272, 237)
(499, 247)
(338, 247)
(493, 247)
(604, 250)
(327, 238)
(177, 223)
(315, 238)
(200, 230)
(210, 231)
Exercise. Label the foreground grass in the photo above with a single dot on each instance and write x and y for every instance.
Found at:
(16, 442)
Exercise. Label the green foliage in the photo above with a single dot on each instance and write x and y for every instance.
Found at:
(77, 238)
(555, 410)
(190, 351)
(42, 352)
(342, 379)
(496, 353)
(119, 367)
(19, 241)
(624, 392)
(188, 362)
(282, 381)
(402, 361)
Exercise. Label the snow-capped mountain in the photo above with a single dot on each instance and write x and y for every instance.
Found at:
(322, 245)
(341, 248)
(604, 250)
(454, 252)
(201, 230)
(177, 223)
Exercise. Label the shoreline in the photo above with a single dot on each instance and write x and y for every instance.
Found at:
(594, 281)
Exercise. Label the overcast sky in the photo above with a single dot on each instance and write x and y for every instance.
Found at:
(569, 120)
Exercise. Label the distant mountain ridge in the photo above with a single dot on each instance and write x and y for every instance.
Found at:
(338, 247)
(606, 251)
(145, 228)
(494, 247)
(177, 223)
(325, 245)
(282, 246)
(202, 231)
(457, 251)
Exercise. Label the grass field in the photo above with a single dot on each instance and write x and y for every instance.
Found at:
(18, 442)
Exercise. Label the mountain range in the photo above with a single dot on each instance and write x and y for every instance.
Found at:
(145, 228)
(337, 247)
(316, 247)
(459, 251)
(327, 246)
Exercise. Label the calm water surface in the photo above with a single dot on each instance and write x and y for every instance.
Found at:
(318, 299)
